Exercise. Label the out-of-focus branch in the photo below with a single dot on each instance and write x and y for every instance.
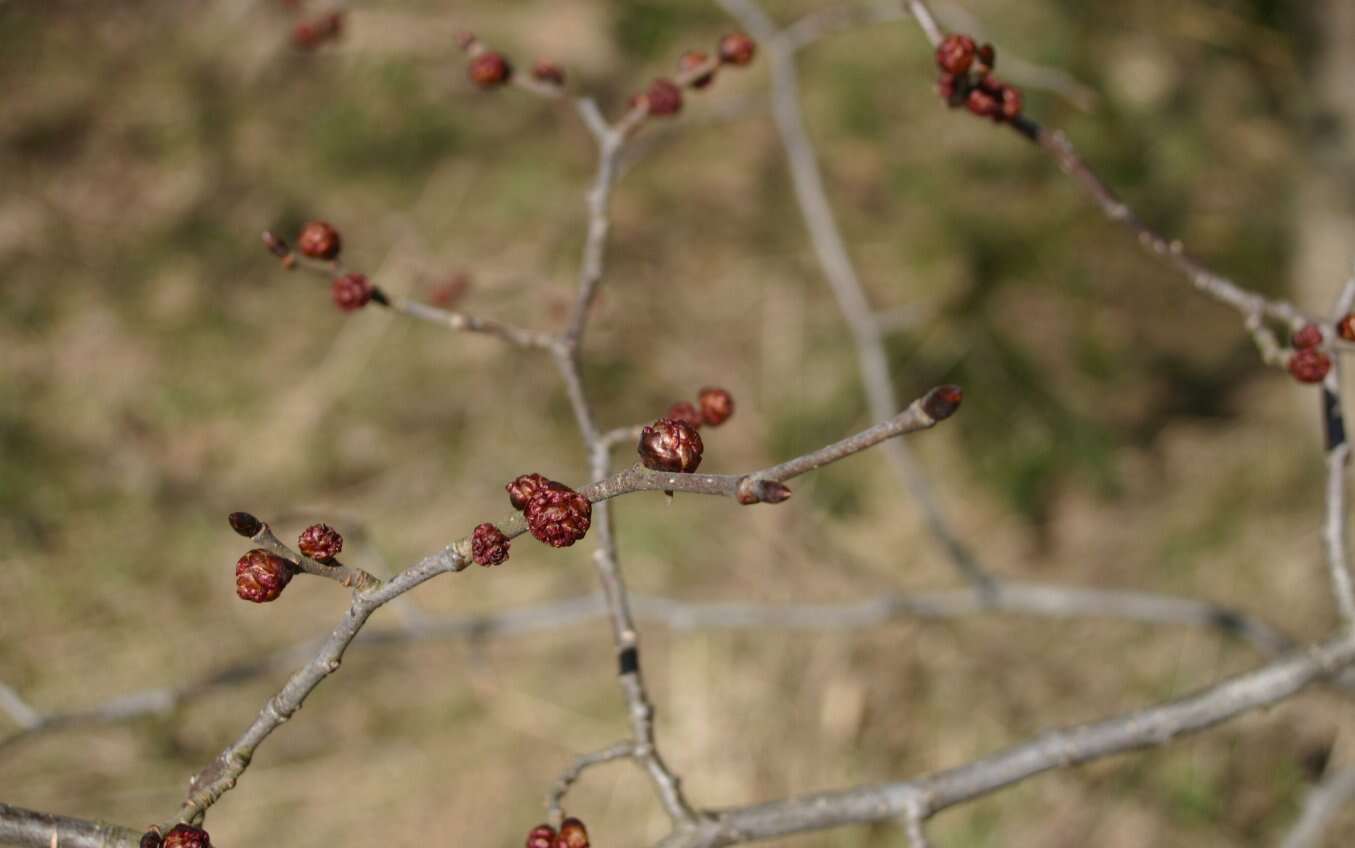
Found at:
(1014, 598)
(1322, 804)
(43, 830)
(930, 794)
(840, 273)
(1334, 532)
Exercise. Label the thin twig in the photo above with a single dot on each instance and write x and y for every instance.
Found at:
(932, 793)
(1015, 598)
(617, 751)
(840, 273)
(29, 828)
(1323, 803)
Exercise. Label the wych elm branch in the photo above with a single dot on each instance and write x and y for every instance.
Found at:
(675, 450)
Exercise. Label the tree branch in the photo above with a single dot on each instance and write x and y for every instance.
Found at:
(930, 794)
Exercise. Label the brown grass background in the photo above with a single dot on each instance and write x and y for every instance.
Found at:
(157, 371)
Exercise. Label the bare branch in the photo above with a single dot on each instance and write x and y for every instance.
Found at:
(41, 830)
(460, 321)
(1323, 803)
(840, 273)
(1145, 728)
(617, 751)
(1334, 531)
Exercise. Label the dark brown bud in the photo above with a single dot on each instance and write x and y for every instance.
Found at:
(955, 54)
(488, 545)
(668, 445)
(351, 292)
(1345, 328)
(187, 836)
(244, 524)
(548, 72)
(260, 577)
(1309, 365)
(151, 838)
(664, 98)
(987, 56)
(542, 836)
(1310, 335)
(572, 834)
(489, 70)
(558, 515)
(717, 405)
(685, 412)
(320, 542)
(774, 492)
(275, 245)
(319, 240)
(942, 401)
(690, 62)
(737, 49)
(521, 489)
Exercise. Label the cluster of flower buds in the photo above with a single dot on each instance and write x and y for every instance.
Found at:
(555, 513)
(320, 241)
(967, 80)
(713, 407)
(696, 70)
(1309, 363)
(310, 33)
(572, 835)
(182, 836)
(260, 575)
(489, 69)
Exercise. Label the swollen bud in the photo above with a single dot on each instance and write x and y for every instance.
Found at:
(941, 402)
(245, 524)
(187, 836)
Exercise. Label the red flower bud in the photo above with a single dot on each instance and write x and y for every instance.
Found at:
(572, 834)
(664, 98)
(542, 836)
(955, 54)
(187, 836)
(558, 515)
(737, 49)
(521, 489)
(489, 546)
(319, 240)
(489, 70)
(668, 445)
(717, 405)
(1309, 365)
(351, 292)
(1310, 335)
(685, 412)
(260, 577)
(320, 542)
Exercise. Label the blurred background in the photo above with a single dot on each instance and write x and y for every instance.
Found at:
(159, 370)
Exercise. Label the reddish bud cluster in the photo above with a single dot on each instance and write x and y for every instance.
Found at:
(1309, 365)
(489, 69)
(668, 445)
(696, 70)
(1309, 335)
(713, 407)
(352, 291)
(555, 513)
(260, 577)
(572, 835)
(308, 35)
(967, 80)
(186, 836)
(320, 542)
(489, 546)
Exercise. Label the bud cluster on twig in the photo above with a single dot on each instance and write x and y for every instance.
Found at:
(967, 80)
